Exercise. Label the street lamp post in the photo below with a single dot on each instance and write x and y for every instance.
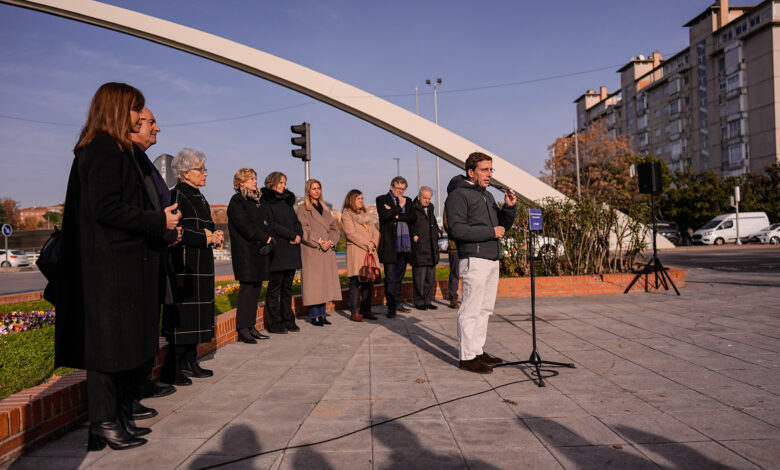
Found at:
(397, 165)
(417, 110)
(436, 120)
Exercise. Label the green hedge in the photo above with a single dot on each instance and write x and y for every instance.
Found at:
(27, 360)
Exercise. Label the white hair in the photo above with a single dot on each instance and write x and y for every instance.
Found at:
(185, 160)
(425, 189)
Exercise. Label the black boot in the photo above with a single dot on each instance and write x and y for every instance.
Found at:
(139, 411)
(113, 434)
(245, 336)
(127, 421)
(189, 364)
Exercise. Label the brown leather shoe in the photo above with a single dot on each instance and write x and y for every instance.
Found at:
(357, 317)
(488, 359)
(454, 303)
(476, 366)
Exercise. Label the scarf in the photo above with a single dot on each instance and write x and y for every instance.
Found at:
(249, 194)
(403, 242)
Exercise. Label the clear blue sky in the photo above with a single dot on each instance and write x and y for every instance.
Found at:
(50, 67)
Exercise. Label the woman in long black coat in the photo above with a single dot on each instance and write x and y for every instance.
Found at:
(109, 280)
(249, 234)
(190, 320)
(277, 207)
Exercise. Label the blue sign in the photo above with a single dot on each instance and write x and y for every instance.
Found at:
(535, 219)
(7, 230)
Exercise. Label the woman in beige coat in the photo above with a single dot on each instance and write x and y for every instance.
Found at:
(319, 273)
(362, 238)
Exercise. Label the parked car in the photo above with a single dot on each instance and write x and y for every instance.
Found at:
(15, 258)
(769, 235)
(723, 228)
(670, 231)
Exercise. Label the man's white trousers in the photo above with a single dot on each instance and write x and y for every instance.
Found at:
(480, 282)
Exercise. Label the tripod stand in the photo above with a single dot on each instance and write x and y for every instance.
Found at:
(654, 266)
(535, 360)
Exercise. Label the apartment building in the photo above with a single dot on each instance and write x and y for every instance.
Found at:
(711, 105)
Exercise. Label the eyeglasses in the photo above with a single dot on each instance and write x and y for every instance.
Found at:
(201, 169)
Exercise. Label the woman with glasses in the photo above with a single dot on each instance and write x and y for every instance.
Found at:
(190, 320)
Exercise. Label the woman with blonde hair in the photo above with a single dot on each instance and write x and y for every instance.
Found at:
(109, 282)
(362, 240)
(319, 274)
(250, 246)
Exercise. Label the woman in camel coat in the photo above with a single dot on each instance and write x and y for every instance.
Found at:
(319, 273)
(362, 238)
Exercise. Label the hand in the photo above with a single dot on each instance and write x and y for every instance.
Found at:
(171, 216)
(371, 246)
(402, 201)
(387, 207)
(510, 198)
(218, 237)
(296, 241)
(325, 244)
(416, 238)
(499, 231)
(268, 241)
(178, 237)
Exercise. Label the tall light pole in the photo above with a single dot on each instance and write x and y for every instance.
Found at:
(436, 120)
(577, 160)
(417, 110)
(397, 165)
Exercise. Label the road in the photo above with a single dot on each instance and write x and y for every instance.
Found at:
(748, 258)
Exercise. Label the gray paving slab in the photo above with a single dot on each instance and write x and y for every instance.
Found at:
(661, 382)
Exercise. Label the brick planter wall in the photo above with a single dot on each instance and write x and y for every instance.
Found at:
(48, 410)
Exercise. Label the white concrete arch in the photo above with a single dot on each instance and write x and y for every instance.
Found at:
(345, 97)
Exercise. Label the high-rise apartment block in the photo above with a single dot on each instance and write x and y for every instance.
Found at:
(713, 105)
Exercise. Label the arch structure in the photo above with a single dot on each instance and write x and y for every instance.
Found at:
(381, 113)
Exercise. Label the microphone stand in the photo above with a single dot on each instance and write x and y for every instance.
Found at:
(535, 360)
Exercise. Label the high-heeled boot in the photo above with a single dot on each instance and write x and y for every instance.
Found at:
(113, 434)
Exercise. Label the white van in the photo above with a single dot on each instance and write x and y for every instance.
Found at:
(723, 228)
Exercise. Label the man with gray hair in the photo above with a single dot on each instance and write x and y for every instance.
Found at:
(395, 217)
(425, 250)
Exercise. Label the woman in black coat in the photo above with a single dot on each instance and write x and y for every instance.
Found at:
(249, 236)
(277, 207)
(109, 279)
(190, 320)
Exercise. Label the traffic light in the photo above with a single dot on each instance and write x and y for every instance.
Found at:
(304, 152)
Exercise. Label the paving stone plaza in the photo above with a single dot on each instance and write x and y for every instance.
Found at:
(662, 382)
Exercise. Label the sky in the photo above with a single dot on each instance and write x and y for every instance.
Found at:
(510, 69)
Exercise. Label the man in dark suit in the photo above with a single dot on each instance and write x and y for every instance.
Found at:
(396, 216)
(142, 140)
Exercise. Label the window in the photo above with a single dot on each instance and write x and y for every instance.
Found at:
(657, 113)
(755, 21)
(676, 150)
(724, 132)
(741, 28)
(643, 139)
(735, 128)
(657, 132)
(727, 36)
(641, 122)
(735, 153)
(732, 82)
(722, 86)
(674, 107)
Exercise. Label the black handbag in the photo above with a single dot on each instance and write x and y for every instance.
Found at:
(48, 261)
(268, 247)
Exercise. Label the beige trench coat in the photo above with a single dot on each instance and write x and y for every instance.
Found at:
(319, 272)
(358, 237)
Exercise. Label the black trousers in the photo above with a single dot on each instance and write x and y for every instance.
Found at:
(454, 275)
(141, 379)
(278, 300)
(107, 392)
(359, 295)
(246, 310)
(394, 275)
(177, 353)
(423, 277)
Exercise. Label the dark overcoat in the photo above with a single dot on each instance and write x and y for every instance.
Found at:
(277, 209)
(191, 318)
(425, 251)
(388, 224)
(109, 282)
(249, 232)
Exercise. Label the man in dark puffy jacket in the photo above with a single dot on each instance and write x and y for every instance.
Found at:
(477, 224)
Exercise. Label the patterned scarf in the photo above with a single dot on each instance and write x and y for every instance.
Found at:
(403, 243)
